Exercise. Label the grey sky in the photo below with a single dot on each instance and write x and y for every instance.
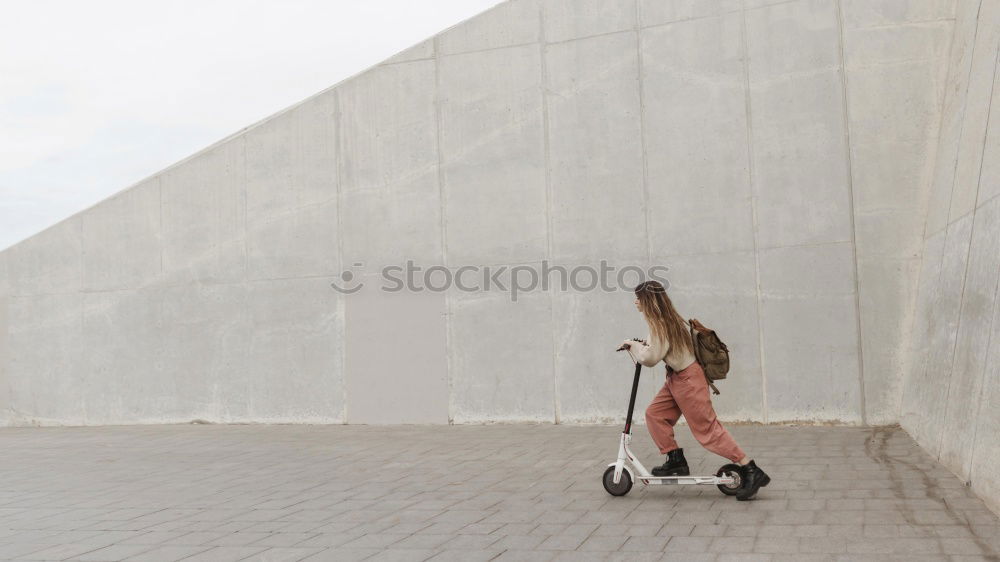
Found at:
(97, 95)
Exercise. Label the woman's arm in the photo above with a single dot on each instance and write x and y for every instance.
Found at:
(649, 354)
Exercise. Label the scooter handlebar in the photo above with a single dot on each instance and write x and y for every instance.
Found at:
(626, 346)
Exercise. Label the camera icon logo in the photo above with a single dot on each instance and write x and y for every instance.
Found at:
(347, 284)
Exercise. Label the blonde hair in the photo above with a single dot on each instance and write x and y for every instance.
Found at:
(664, 321)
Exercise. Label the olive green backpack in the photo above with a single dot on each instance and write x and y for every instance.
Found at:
(710, 352)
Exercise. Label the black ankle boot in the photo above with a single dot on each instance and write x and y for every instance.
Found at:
(753, 479)
(675, 465)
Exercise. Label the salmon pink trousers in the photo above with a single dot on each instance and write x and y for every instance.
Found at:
(686, 392)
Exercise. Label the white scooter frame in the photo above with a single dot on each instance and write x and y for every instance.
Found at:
(619, 476)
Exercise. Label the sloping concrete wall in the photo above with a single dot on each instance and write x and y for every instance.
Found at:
(769, 153)
(952, 388)
(4, 386)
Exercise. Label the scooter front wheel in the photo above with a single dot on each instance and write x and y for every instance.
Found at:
(622, 487)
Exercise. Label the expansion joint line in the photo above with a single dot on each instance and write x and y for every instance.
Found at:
(854, 231)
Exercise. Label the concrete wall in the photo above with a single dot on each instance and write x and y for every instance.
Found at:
(4, 386)
(770, 153)
(952, 386)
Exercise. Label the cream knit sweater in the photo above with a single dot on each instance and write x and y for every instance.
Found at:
(657, 350)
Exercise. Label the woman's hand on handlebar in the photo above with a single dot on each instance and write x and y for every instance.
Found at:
(627, 344)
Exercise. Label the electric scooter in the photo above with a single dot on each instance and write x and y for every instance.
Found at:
(619, 476)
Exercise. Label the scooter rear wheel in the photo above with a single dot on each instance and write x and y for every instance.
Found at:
(734, 471)
(622, 487)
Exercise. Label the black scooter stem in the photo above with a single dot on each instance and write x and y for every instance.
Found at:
(631, 401)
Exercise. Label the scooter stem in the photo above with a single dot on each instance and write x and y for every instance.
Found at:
(631, 402)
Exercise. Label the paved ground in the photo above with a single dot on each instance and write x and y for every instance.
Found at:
(203, 492)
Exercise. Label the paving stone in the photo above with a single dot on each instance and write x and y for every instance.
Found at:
(614, 530)
(708, 530)
(408, 555)
(427, 542)
(732, 544)
(281, 539)
(153, 537)
(645, 544)
(519, 542)
(479, 528)
(342, 555)
(168, 553)
(465, 555)
(60, 552)
(580, 556)
(226, 554)
(526, 556)
(280, 501)
(776, 545)
(562, 542)
(689, 557)
(283, 554)
(602, 544)
(823, 545)
(366, 541)
(689, 544)
(114, 552)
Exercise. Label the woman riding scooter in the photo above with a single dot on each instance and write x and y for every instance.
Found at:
(685, 392)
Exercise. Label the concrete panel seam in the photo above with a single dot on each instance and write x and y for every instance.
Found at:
(543, 87)
(338, 169)
(770, 5)
(909, 317)
(986, 132)
(485, 50)
(422, 59)
(986, 201)
(82, 254)
(809, 245)
(642, 132)
(913, 23)
(443, 205)
(850, 194)
(427, 59)
(927, 235)
(919, 283)
(745, 47)
(794, 75)
(257, 279)
(159, 198)
(982, 387)
(742, 9)
(173, 285)
(939, 230)
(243, 191)
(958, 326)
(965, 101)
(696, 18)
(584, 37)
(762, 247)
(278, 217)
(968, 251)
(893, 63)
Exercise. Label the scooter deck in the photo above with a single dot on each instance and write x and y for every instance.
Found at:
(685, 480)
